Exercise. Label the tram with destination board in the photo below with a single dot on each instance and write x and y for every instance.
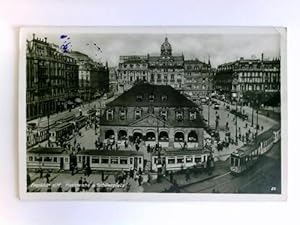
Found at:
(247, 155)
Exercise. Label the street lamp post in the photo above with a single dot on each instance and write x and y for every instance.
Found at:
(234, 95)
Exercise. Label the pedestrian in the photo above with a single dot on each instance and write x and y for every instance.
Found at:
(47, 177)
(41, 173)
(85, 184)
(140, 180)
(49, 188)
(187, 176)
(102, 176)
(80, 182)
(148, 148)
(59, 189)
(171, 176)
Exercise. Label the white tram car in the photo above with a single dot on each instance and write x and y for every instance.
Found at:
(110, 160)
(48, 158)
(181, 159)
(244, 157)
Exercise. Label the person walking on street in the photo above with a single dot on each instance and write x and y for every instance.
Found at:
(47, 177)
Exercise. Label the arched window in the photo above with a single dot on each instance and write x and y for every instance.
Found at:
(109, 134)
(192, 136)
(163, 136)
(150, 136)
(122, 135)
(179, 137)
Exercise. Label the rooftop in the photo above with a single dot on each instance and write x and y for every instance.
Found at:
(172, 98)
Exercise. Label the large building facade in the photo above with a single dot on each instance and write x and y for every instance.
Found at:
(52, 78)
(93, 77)
(198, 79)
(165, 69)
(248, 75)
(157, 114)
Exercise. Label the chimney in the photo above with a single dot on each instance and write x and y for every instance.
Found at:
(33, 36)
(262, 57)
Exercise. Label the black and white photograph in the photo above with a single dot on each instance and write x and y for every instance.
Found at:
(152, 110)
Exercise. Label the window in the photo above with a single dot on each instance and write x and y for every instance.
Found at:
(39, 159)
(131, 161)
(139, 98)
(197, 159)
(122, 114)
(47, 159)
(114, 160)
(140, 160)
(95, 159)
(109, 114)
(171, 161)
(104, 160)
(66, 160)
(123, 161)
(192, 115)
(54, 159)
(30, 158)
(179, 115)
(189, 159)
(163, 114)
(79, 159)
(164, 98)
(138, 114)
(151, 98)
(180, 160)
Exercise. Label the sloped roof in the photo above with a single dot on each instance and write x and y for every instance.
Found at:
(174, 98)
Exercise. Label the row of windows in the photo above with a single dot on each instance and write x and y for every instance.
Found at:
(113, 160)
(45, 159)
(188, 159)
(138, 114)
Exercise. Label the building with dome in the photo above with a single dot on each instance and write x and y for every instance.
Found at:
(165, 69)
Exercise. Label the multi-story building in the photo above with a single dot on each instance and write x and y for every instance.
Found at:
(93, 76)
(246, 75)
(51, 78)
(163, 69)
(132, 69)
(158, 114)
(166, 69)
(198, 79)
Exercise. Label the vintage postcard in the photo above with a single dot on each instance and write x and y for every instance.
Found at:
(146, 113)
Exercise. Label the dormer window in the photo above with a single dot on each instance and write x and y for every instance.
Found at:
(139, 98)
(138, 114)
(163, 114)
(122, 114)
(151, 98)
(193, 115)
(179, 115)
(164, 98)
(109, 114)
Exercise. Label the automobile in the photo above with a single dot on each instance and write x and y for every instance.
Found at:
(217, 106)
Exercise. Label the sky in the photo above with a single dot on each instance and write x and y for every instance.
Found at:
(219, 48)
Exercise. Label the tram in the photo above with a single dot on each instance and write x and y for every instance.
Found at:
(247, 155)
(61, 130)
(54, 159)
(182, 159)
(110, 160)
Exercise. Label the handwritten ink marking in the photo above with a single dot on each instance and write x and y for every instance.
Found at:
(66, 45)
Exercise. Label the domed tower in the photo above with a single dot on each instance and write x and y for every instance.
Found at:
(166, 48)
